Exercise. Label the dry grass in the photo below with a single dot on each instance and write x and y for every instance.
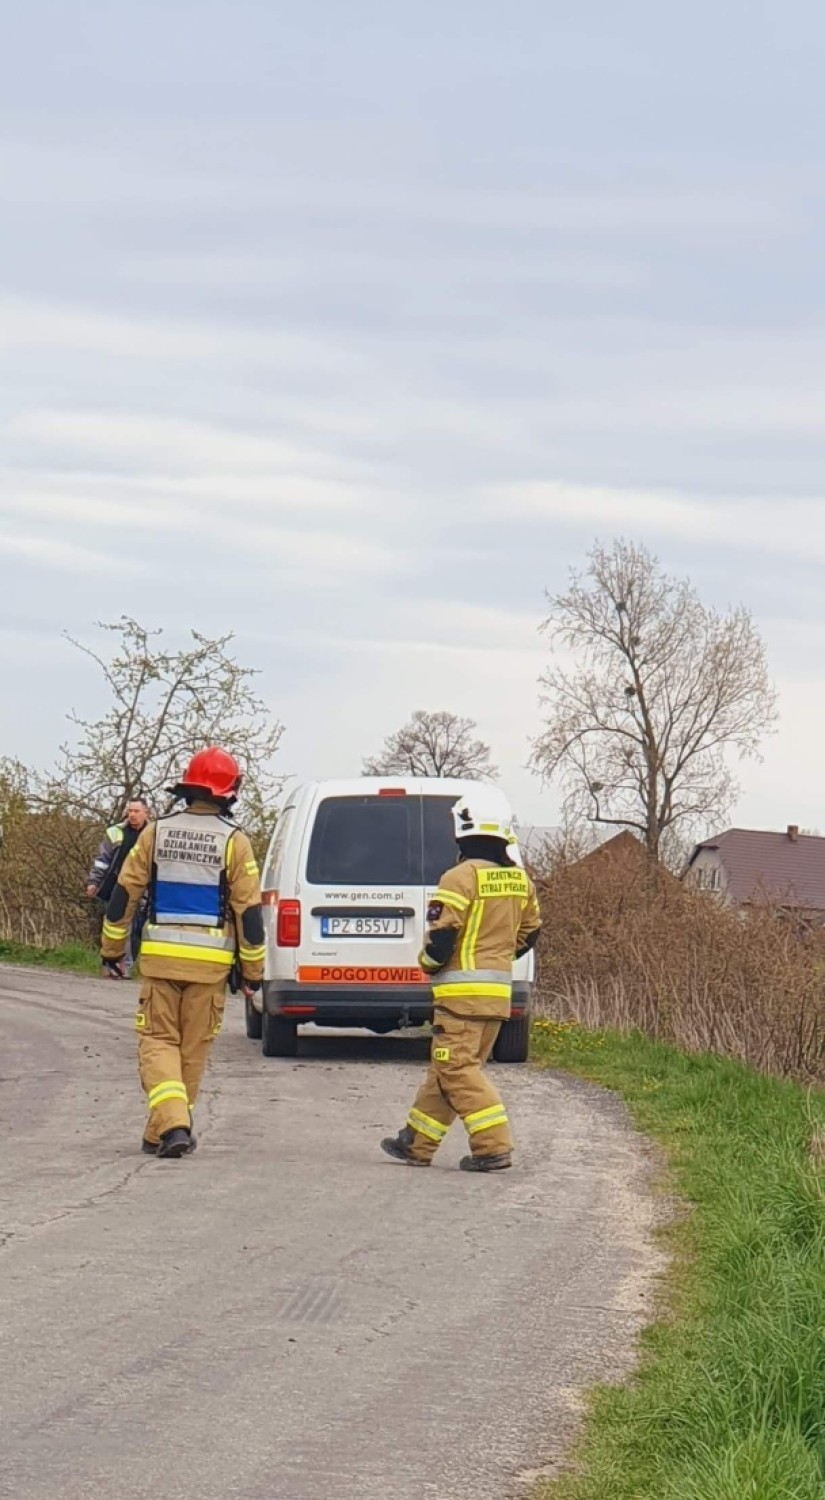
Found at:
(44, 862)
(623, 949)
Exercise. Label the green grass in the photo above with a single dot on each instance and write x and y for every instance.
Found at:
(729, 1399)
(75, 957)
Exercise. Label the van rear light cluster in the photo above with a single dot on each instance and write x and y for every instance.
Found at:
(289, 924)
(392, 791)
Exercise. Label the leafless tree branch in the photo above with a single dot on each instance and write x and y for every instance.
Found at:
(662, 691)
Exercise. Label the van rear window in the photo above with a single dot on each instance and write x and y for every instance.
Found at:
(374, 840)
(440, 850)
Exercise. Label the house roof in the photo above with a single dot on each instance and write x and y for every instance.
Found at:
(531, 838)
(771, 866)
(626, 851)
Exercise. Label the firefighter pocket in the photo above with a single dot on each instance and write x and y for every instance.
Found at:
(216, 1018)
(142, 1017)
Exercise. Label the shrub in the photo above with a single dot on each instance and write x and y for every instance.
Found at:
(626, 945)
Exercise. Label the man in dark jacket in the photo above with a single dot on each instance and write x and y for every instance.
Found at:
(117, 843)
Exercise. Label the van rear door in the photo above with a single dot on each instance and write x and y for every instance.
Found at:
(363, 895)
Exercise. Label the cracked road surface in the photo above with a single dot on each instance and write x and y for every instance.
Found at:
(288, 1315)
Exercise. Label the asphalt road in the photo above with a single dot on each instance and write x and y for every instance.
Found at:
(288, 1315)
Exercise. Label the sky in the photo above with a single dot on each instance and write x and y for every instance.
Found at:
(350, 329)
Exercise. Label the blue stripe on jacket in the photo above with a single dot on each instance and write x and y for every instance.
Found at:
(176, 900)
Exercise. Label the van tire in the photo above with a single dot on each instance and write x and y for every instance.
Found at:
(279, 1037)
(513, 1041)
(254, 1021)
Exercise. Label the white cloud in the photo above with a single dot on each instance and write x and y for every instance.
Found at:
(794, 527)
(300, 558)
(53, 553)
(26, 325)
(148, 442)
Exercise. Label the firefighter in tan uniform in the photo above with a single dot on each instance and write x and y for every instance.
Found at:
(483, 915)
(204, 910)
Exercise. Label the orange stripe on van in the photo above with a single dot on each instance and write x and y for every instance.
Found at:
(269, 898)
(358, 974)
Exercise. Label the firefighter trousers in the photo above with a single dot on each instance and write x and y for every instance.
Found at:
(176, 1022)
(456, 1084)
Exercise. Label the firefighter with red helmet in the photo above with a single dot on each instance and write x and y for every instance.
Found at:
(204, 911)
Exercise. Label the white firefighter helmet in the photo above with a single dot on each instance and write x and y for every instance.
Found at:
(485, 811)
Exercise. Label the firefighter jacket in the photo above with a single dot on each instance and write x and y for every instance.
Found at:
(481, 917)
(114, 848)
(204, 900)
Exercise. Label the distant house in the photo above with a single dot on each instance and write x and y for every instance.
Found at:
(745, 867)
(625, 854)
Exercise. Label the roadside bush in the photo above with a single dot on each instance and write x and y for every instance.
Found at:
(626, 946)
(44, 862)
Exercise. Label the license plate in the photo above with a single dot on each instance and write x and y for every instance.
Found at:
(362, 927)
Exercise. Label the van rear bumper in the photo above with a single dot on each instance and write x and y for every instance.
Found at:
(348, 1005)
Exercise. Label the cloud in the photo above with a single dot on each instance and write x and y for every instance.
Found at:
(795, 528)
(300, 558)
(149, 442)
(65, 557)
(26, 325)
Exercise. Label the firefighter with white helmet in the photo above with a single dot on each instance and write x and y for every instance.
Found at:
(204, 909)
(483, 915)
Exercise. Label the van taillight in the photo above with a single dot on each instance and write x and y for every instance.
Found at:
(392, 791)
(289, 924)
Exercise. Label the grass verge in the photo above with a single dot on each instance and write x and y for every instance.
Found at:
(75, 957)
(729, 1399)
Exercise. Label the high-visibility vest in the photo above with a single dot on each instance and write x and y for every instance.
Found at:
(189, 870)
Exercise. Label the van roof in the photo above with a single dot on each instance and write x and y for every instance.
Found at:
(365, 786)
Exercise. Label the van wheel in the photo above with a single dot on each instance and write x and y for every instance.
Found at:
(513, 1041)
(280, 1037)
(254, 1021)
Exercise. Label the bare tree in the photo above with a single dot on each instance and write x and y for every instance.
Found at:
(662, 687)
(165, 704)
(437, 744)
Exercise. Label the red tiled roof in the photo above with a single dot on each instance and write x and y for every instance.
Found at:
(772, 866)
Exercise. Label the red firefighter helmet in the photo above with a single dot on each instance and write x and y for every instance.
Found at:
(214, 771)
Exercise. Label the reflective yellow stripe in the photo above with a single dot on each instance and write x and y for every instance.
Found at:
(451, 898)
(468, 946)
(425, 962)
(110, 931)
(171, 1088)
(253, 955)
(483, 1114)
(251, 867)
(487, 991)
(167, 1083)
(161, 1096)
(485, 1119)
(152, 949)
(426, 1125)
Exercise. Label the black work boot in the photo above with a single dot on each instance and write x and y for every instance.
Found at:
(151, 1148)
(399, 1147)
(486, 1163)
(174, 1143)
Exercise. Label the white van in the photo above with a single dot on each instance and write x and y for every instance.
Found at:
(346, 885)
